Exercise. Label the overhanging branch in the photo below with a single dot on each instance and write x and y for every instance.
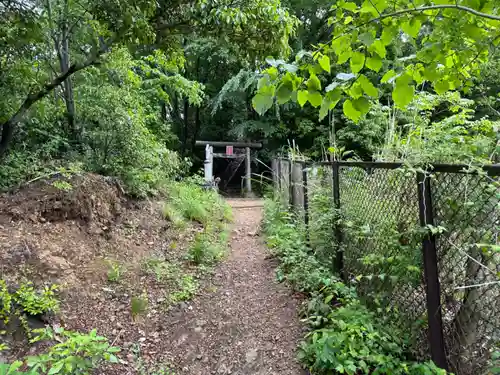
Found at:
(437, 7)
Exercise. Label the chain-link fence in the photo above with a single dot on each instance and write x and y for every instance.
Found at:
(421, 246)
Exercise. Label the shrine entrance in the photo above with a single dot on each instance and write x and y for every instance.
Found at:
(230, 166)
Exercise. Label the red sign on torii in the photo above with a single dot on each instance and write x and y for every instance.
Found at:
(229, 150)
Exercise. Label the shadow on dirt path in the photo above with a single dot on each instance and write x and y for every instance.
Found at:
(245, 323)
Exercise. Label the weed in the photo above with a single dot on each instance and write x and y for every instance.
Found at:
(345, 337)
(115, 272)
(160, 268)
(172, 214)
(62, 185)
(208, 247)
(75, 353)
(188, 286)
(36, 303)
(139, 305)
(191, 202)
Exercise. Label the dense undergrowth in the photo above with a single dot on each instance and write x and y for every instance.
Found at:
(345, 337)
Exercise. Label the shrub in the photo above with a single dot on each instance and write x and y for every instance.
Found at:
(36, 303)
(192, 202)
(77, 354)
(345, 337)
(208, 247)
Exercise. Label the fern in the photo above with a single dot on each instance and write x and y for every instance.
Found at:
(239, 83)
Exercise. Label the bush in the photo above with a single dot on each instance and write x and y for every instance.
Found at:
(345, 337)
(75, 354)
(191, 202)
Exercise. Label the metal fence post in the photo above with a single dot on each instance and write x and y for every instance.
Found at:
(290, 183)
(339, 256)
(279, 175)
(431, 273)
(306, 201)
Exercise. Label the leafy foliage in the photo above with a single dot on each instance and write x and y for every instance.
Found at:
(26, 300)
(35, 303)
(446, 43)
(345, 336)
(76, 353)
(191, 202)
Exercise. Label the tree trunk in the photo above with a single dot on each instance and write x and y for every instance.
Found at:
(8, 126)
(68, 88)
(186, 128)
(7, 134)
(197, 125)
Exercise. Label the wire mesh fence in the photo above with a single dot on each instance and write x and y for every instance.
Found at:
(422, 248)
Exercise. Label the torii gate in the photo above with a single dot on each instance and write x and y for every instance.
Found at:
(210, 155)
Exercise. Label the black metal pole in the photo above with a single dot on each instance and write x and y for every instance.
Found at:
(339, 256)
(290, 183)
(279, 176)
(306, 202)
(431, 274)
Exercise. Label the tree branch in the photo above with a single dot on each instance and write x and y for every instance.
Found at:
(7, 128)
(437, 7)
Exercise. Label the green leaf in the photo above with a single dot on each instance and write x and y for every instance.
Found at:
(56, 368)
(302, 97)
(350, 111)
(315, 98)
(262, 102)
(412, 27)
(362, 105)
(431, 73)
(403, 92)
(379, 48)
(330, 100)
(357, 61)
(388, 76)
(441, 86)
(14, 366)
(344, 56)
(367, 38)
(284, 93)
(367, 86)
(374, 63)
(388, 35)
(313, 83)
(324, 62)
(355, 91)
(349, 6)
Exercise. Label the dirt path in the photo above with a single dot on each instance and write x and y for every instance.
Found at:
(247, 323)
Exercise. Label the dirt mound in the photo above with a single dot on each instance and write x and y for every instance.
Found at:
(85, 198)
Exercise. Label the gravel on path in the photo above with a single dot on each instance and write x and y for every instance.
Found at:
(248, 323)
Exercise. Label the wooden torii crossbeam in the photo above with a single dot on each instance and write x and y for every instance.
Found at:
(210, 155)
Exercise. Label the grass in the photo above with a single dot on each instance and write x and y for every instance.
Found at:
(209, 246)
(161, 268)
(189, 201)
